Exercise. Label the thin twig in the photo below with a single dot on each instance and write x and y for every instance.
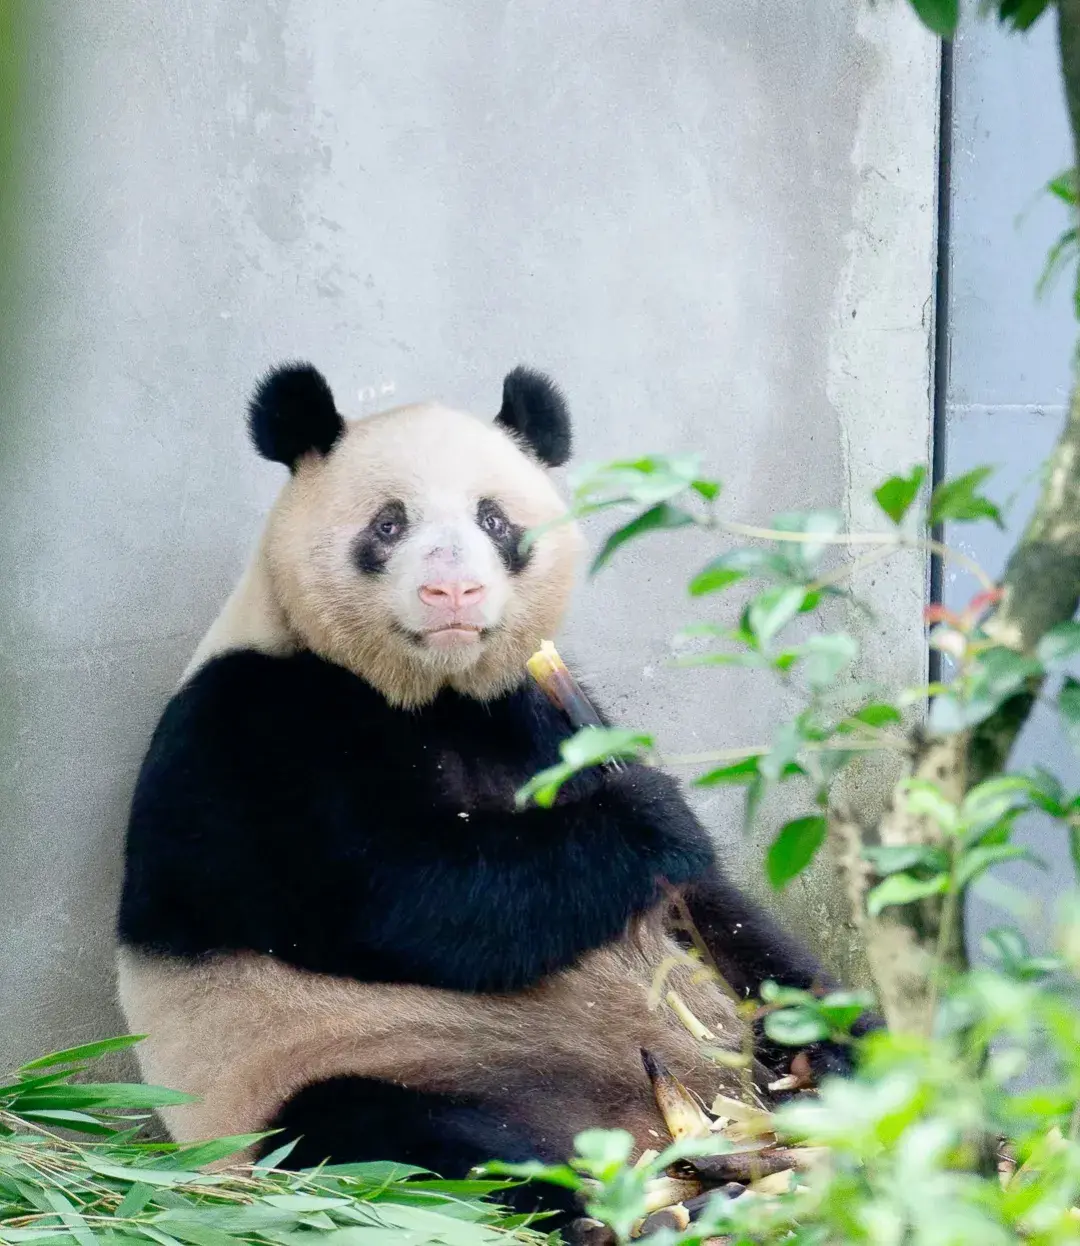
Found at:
(953, 555)
(890, 540)
(808, 538)
(708, 759)
(849, 568)
(832, 745)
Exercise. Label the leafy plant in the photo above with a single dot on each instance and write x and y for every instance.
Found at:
(108, 1186)
(909, 1142)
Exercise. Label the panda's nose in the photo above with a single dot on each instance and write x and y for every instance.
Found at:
(452, 594)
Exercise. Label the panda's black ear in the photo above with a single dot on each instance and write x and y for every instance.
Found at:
(291, 413)
(534, 410)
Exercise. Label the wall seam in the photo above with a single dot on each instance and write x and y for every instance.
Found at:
(942, 321)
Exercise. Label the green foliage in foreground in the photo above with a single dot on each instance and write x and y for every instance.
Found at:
(912, 1143)
(107, 1186)
(909, 1163)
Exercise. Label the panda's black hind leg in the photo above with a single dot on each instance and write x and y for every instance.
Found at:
(348, 1120)
(749, 947)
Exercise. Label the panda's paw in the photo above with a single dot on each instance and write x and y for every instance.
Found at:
(587, 1232)
(806, 1069)
(825, 1060)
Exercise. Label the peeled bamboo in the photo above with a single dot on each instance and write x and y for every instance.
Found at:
(564, 692)
(683, 1115)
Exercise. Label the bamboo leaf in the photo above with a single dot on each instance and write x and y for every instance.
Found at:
(275, 1158)
(134, 1201)
(70, 1216)
(201, 1234)
(88, 1051)
(105, 1096)
(200, 1154)
(80, 1122)
(147, 1176)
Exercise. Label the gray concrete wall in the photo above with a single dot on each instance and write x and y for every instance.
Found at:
(713, 222)
(1009, 359)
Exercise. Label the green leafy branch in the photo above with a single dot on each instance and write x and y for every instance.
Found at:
(840, 720)
(113, 1188)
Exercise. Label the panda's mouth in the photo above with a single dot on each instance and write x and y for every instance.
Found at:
(453, 636)
(450, 636)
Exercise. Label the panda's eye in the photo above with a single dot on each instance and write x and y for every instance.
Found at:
(390, 522)
(503, 533)
(494, 524)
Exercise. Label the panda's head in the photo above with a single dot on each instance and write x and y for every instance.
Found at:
(395, 548)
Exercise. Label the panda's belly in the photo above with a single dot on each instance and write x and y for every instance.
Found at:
(245, 1032)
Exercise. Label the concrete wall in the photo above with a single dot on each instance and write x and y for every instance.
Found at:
(712, 221)
(1009, 359)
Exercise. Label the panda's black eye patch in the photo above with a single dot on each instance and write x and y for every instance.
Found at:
(504, 535)
(386, 528)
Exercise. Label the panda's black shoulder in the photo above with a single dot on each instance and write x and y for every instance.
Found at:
(247, 715)
(269, 724)
(247, 693)
(263, 740)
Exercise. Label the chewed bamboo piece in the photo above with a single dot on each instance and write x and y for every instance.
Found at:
(683, 1115)
(563, 691)
(561, 688)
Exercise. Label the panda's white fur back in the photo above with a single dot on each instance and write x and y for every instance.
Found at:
(250, 619)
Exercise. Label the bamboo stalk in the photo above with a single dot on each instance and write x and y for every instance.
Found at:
(564, 692)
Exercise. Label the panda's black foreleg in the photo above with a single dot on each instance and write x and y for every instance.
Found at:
(349, 1120)
(749, 948)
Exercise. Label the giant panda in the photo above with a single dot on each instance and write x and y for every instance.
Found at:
(335, 923)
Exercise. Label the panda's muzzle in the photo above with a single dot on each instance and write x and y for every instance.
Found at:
(453, 609)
